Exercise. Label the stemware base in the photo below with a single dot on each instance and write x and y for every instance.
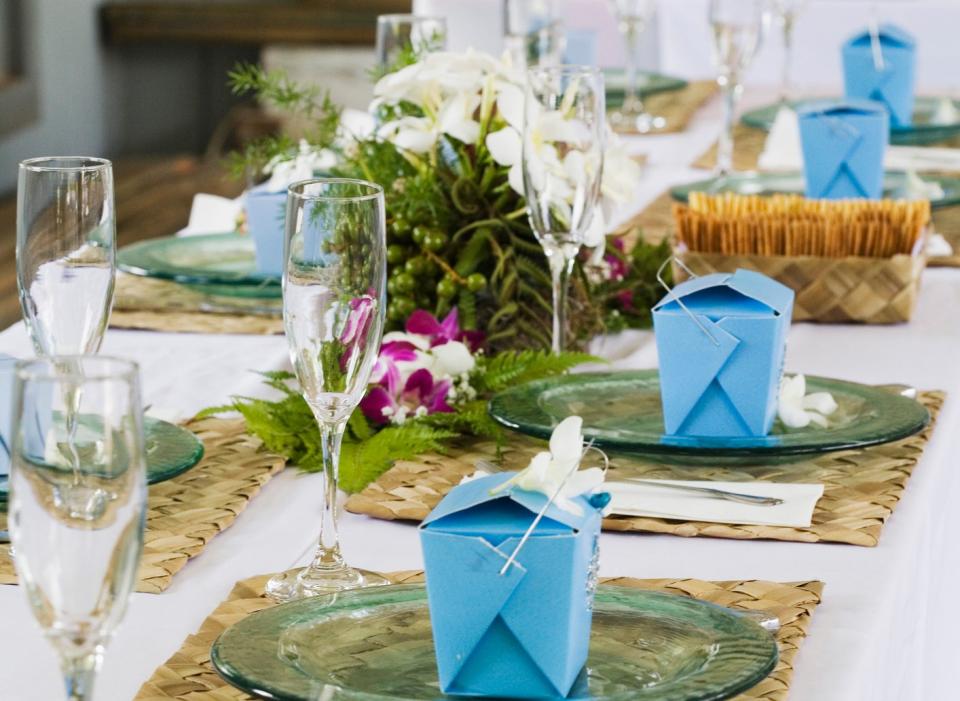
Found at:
(306, 582)
(636, 123)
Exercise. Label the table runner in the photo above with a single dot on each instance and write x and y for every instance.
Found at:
(161, 305)
(189, 676)
(679, 106)
(748, 145)
(861, 488)
(186, 512)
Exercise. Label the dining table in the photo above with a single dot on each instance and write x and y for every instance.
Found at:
(888, 626)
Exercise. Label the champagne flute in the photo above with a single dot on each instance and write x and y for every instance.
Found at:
(77, 503)
(785, 13)
(738, 27)
(563, 144)
(66, 236)
(633, 18)
(404, 38)
(334, 297)
(533, 32)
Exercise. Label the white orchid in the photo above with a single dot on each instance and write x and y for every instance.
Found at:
(797, 409)
(555, 472)
(284, 170)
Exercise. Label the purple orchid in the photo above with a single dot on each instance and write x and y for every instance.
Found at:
(424, 323)
(420, 395)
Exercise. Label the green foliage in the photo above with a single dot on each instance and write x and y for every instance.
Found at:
(287, 425)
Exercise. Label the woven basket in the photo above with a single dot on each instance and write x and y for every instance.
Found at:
(830, 290)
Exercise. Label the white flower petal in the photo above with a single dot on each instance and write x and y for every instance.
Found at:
(820, 402)
(506, 147)
(566, 441)
(510, 104)
(453, 358)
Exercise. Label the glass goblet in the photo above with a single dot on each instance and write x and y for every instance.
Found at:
(633, 18)
(66, 239)
(401, 39)
(533, 32)
(77, 503)
(738, 28)
(563, 144)
(334, 297)
(785, 13)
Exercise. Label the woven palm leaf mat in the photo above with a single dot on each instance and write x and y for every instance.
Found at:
(861, 488)
(160, 305)
(679, 106)
(748, 144)
(189, 676)
(186, 512)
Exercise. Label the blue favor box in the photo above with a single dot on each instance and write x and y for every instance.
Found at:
(893, 84)
(266, 211)
(720, 375)
(843, 148)
(7, 364)
(522, 634)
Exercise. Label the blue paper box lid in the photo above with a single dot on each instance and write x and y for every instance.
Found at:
(756, 295)
(841, 108)
(889, 35)
(523, 633)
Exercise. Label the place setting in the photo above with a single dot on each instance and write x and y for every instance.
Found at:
(516, 389)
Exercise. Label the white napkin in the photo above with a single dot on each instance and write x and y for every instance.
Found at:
(212, 214)
(799, 500)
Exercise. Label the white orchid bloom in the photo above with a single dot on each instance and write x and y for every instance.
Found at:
(555, 472)
(797, 409)
(456, 118)
(451, 359)
(303, 166)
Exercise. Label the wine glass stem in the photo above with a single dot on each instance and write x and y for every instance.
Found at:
(328, 555)
(560, 268)
(731, 94)
(785, 86)
(632, 102)
(78, 675)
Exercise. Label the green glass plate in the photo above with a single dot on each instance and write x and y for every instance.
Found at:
(622, 411)
(220, 263)
(753, 183)
(376, 644)
(917, 134)
(648, 84)
(171, 451)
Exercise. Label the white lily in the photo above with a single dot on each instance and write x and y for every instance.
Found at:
(797, 409)
(555, 472)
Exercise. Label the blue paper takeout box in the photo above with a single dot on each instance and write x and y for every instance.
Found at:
(721, 377)
(887, 75)
(522, 634)
(843, 148)
(7, 364)
(266, 211)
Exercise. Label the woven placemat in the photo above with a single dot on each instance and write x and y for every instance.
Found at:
(186, 512)
(161, 305)
(189, 676)
(679, 106)
(861, 487)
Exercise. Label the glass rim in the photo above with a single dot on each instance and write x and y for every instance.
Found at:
(409, 17)
(566, 68)
(45, 368)
(45, 164)
(376, 191)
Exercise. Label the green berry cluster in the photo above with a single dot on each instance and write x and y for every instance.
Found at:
(419, 275)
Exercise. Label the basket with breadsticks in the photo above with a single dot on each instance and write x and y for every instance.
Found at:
(846, 260)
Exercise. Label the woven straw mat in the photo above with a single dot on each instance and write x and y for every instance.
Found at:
(678, 107)
(861, 488)
(186, 512)
(189, 676)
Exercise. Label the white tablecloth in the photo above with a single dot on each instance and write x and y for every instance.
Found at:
(885, 630)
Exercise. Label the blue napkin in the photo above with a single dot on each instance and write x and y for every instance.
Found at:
(265, 222)
(843, 148)
(889, 81)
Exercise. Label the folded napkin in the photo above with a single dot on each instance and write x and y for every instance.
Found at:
(799, 500)
(212, 214)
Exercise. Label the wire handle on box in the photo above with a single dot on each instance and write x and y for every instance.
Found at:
(663, 283)
(875, 46)
(543, 511)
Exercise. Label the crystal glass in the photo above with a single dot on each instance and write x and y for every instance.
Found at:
(401, 38)
(78, 496)
(633, 18)
(533, 32)
(563, 144)
(785, 13)
(66, 236)
(334, 297)
(738, 28)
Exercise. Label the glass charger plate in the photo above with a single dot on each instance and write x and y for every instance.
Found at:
(922, 131)
(648, 83)
(622, 411)
(754, 183)
(219, 262)
(376, 644)
(171, 451)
